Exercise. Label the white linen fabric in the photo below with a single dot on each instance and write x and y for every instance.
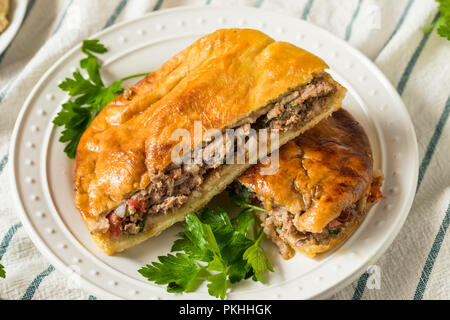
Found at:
(390, 33)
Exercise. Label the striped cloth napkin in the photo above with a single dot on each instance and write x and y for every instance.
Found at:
(390, 33)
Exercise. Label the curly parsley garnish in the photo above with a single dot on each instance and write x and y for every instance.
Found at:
(88, 96)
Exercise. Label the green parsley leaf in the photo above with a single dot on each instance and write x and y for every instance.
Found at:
(243, 221)
(92, 67)
(333, 232)
(220, 225)
(217, 264)
(186, 245)
(236, 247)
(179, 272)
(201, 234)
(93, 45)
(239, 270)
(245, 192)
(218, 285)
(219, 221)
(443, 27)
(241, 202)
(211, 238)
(257, 259)
(88, 96)
(443, 23)
(2, 271)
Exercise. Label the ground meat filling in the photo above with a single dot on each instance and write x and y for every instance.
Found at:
(298, 106)
(283, 222)
(169, 190)
(278, 224)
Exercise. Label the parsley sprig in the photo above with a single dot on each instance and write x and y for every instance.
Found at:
(2, 271)
(216, 249)
(88, 96)
(443, 23)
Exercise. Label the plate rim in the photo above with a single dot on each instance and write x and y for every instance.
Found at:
(15, 22)
(59, 264)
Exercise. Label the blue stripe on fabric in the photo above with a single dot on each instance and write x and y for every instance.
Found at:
(31, 290)
(402, 19)
(7, 238)
(27, 13)
(359, 290)
(3, 163)
(5, 90)
(63, 16)
(432, 256)
(91, 297)
(404, 79)
(29, 7)
(405, 76)
(422, 170)
(158, 5)
(307, 9)
(116, 13)
(259, 3)
(348, 32)
(433, 143)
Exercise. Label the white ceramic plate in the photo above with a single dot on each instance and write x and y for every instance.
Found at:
(42, 175)
(16, 14)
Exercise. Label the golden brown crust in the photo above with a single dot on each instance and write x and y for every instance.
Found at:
(213, 185)
(218, 80)
(320, 173)
(4, 10)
